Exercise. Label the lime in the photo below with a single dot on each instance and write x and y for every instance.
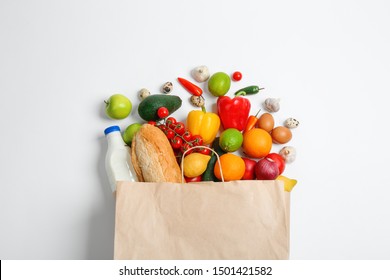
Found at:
(219, 84)
(231, 140)
(130, 131)
(195, 164)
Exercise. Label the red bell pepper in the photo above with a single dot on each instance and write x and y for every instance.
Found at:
(233, 112)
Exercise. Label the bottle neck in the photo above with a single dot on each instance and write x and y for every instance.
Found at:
(115, 139)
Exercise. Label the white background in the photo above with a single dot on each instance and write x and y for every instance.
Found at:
(328, 61)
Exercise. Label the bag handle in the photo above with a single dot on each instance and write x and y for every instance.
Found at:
(196, 147)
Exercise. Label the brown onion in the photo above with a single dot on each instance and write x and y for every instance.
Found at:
(266, 169)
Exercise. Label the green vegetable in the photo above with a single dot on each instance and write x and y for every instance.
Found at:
(208, 175)
(148, 107)
(248, 90)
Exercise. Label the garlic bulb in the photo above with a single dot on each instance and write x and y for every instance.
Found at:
(272, 104)
(288, 153)
(200, 73)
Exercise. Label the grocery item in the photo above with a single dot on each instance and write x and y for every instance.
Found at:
(248, 90)
(200, 73)
(195, 164)
(266, 169)
(281, 135)
(219, 84)
(152, 156)
(118, 158)
(148, 107)
(233, 112)
(266, 122)
(236, 76)
(272, 104)
(167, 87)
(190, 87)
(279, 161)
(118, 106)
(129, 132)
(197, 101)
(249, 169)
(251, 122)
(257, 143)
(291, 123)
(233, 167)
(230, 140)
(143, 93)
(288, 153)
(289, 183)
(208, 175)
(205, 124)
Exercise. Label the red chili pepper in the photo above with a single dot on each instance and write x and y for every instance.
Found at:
(233, 112)
(252, 120)
(193, 89)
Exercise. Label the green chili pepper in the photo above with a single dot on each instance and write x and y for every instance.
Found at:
(248, 90)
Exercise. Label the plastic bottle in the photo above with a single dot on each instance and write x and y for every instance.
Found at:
(118, 158)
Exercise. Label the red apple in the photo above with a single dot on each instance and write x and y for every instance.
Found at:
(249, 169)
(279, 161)
(193, 179)
(266, 169)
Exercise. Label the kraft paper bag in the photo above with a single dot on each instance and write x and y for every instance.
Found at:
(206, 220)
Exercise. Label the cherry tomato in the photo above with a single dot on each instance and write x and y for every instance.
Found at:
(176, 142)
(152, 123)
(162, 112)
(187, 136)
(179, 128)
(193, 179)
(237, 76)
(170, 134)
(184, 147)
(170, 122)
(203, 151)
(197, 140)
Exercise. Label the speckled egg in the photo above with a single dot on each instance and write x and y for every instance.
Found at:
(291, 123)
(143, 93)
(167, 87)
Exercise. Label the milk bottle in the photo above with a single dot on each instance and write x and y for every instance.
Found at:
(118, 158)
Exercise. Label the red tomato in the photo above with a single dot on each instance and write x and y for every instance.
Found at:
(203, 151)
(237, 76)
(197, 140)
(170, 122)
(170, 134)
(179, 128)
(194, 179)
(162, 112)
(187, 136)
(176, 142)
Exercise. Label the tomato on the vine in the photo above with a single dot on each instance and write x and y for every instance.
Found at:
(187, 136)
(170, 122)
(170, 134)
(197, 140)
(185, 147)
(179, 128)
(176, 142)
(203, 151)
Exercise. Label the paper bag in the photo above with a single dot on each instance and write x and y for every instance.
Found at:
(206, 220)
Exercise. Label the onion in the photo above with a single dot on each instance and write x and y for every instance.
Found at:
(266, 169)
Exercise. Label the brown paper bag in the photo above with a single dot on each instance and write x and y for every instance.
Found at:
(207, 220)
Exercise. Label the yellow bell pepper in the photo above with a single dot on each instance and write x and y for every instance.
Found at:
(205, 124)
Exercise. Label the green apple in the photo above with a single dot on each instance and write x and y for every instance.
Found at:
(219, 84)
(118, 106)
(129, 132)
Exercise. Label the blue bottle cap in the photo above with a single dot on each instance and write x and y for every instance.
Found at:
(111, 129)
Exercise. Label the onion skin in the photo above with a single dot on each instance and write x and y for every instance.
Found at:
(266, 169)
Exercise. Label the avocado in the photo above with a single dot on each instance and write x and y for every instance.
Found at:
(148, 107)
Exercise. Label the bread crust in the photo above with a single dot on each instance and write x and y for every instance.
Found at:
(153, 157)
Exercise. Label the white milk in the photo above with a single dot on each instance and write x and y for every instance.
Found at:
(118, 158)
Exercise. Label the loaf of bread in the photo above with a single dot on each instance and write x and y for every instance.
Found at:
(153, 157)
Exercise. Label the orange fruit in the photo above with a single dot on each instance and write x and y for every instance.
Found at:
(257, 143)
(233, 167)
